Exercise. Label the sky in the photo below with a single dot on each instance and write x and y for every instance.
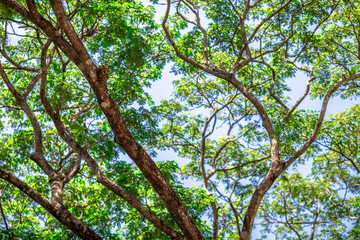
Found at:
(162, 89)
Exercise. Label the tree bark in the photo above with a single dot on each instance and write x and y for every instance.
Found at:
(56, 209)
(97, 77)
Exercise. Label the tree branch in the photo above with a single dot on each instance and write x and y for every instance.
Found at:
(56, 209)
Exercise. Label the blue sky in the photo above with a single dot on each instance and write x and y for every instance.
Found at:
(162, 89)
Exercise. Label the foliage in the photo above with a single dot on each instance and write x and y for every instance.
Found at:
(245, 141)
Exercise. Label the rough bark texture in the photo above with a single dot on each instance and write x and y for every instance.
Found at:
(72, 46)
(147, 166)
(54, 206)
(81, 151)
(244, 57)
(57, 209)
(97, 77)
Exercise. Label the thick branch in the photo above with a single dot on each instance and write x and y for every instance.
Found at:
(56, 209)
(93, 164)
(38, 144)
(69, 30)
(278, 167)
(255, 101)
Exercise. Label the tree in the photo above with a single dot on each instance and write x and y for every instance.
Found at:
(73, 98)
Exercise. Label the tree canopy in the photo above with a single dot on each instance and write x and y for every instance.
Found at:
(74, 101)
